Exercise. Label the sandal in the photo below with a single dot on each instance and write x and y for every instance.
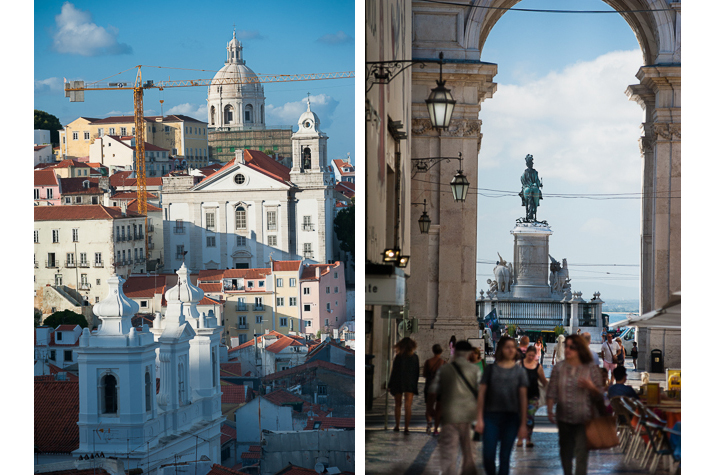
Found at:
(428, 427)
(519, 444)
(396, 429)
(436, 432)
(530, 444)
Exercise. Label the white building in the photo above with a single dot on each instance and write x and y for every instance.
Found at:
(235, 106)
(254, 208)
(118, 366)
(119, 154)
(43, 154)
(75, 247)
(42, 137)
(261, 414)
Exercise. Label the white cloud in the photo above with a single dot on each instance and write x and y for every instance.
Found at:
(578, 124)
(77, 34)
(288, 114)
(49, 85)
(335, 39)
(196, 112)
(249, 35)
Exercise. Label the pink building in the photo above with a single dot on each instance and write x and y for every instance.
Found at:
(323, 305)
(46, 188)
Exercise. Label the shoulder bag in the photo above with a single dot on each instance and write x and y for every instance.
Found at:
(601, 430)
(468, 385)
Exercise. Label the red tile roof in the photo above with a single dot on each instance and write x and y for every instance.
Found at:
(72, 186)
(346, 188)
(133, 206)
(228, 433)
(231, 368)
(122, 179)
(211, 287)
(342, 163)
(283, 397)
(71, 163)
(282, 343)
(74, 213)
(251, 455)
(259, 338)
(55, 416)
(144, 287)
(55, 370)
(313, 364)
(286, 266)
(131, 195)
(222, 470)
(250, 274)
(235, 394)
(267, 165)
(40, 147)
(208, 275)
(45, 178)
(66, 328)
(331, 423)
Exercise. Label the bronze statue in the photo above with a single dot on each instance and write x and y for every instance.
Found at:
(531, 193)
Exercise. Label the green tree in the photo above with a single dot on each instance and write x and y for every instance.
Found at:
(46, 121)
(38, 317)
(65, 317)
(344, 224)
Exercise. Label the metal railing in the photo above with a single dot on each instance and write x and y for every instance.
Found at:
(84, 286)
(140, 260)
(129, 237)
(99, 264)
(258, 308)
(150, 228)
(84, 264)
(307, 227)
(308, 254)
(50, 264)
(179, 230)
(69, 263)
(241, 307)
(243, 326)
(127, 262)
(140, 237)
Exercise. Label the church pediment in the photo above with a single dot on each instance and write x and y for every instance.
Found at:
(240, 177)
(241, 253)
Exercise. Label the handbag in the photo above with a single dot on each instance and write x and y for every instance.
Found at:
(601, 430)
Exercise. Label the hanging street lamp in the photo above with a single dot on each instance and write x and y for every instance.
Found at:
(459, 186)
(424, 220)
(440, 103)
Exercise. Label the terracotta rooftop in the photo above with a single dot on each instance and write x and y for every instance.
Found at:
(282, 343)
(313, 364)
(346, 188)
(131, 195)
(75, 213)
(208, 275)
(40, 147)
(343, 164)
(283, 397)
(45, 178)
(258, 339)
(309, 272)
(249, 274)
(236, 394)
(74, 186)
(66, 328)
(251, 455)
(231, 368)
(56, 412)
(144, 286)
(211, 287)
(71, 163)
(260, 162)
(222, 470)
(133, 206)
(331, 423)
(286, 266)
(228, 433)
(122, 179)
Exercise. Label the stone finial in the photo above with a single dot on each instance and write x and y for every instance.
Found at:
(116, 310)
(186, 292)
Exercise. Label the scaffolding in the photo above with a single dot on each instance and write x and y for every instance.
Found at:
(273, 140)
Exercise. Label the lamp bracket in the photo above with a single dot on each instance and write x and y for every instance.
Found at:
(423, 165)
(383, 72)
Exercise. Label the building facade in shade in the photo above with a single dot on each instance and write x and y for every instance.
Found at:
(254, 209)
(323, 298)
(236, 118)
(119, 366)
(79, 247)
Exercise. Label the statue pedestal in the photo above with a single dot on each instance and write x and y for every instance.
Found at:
(531, 264)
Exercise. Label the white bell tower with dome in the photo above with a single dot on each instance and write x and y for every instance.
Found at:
(235, 106)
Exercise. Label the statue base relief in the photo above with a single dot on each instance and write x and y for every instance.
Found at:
(530, 264)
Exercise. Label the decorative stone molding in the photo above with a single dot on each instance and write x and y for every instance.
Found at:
(662, 130)
(675, 130)
(457, 128)
(646, 144)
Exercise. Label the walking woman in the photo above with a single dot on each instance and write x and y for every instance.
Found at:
(534, 371)
(540, 347)
(431, 366)
(558, 354)
(575, 384)
(452, 344)
(502, 407)
(403, 380)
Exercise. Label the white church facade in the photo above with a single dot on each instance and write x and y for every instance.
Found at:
(254, 209)
(120, 414)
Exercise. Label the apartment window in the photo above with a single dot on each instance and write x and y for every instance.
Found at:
(259, 318)
(98, 281)
(279, 301)
(259, 302)
(326, 322)
(144, 303)
(242, 320)
(166, 128)
(327, 290)
(307, 249)
(261, 283)
(59, 336)
(96, 300)
(179, 227)
(123, 232)
(36, 193)
(327, 306)
(279, 282)
(241, 241)
(307, 225)
(211, 241)
(68, 355)
(322, 390)
(307, 308)
(70, 259)
(250, 284)
(283, 321)
(75, 235)
(97, 258)
(84, 280)
(57, 279)
(336, 290)
(292, 282)
(140, 230)
(53, 354)
(241, 218)
(271, 241)
(50, 193)
(123, 131)
(271, 220)
(36, 236)
(111, 131)
(306, 291)
(75, 135)
(180, 251)
(51, 261)
(55, 235)
(292, 301)
(307, 323)
(209, 220)
(101, 132)
(87, 136)
(67, 200)
(133, 131)
(336, 276)
(141, 253)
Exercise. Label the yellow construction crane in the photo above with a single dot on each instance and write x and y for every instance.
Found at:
(74, 90)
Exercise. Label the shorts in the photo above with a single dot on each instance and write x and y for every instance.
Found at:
(533, 405)
(609, 366)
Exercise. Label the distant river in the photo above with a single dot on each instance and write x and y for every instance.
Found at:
(617, 316)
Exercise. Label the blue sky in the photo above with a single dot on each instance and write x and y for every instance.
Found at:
(561, 82)
(93, 40)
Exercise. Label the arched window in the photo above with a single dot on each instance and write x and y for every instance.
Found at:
(228, 114)
(212, 112)
(181, 384)
(248, 113)
(307, 158)
(241, 218)
(110, 394)
(148, 391)
(261, 119)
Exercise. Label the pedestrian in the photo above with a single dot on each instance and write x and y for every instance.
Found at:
(579, 331)
(610, 353)
(536, 376)
(475, 358)
(403, 380)
(540, 347)
(524, 343)
(620, 388)
(622, 357)
(588, 339)
(457, 387)
(452, 344)
(502, 407)
(634, 354)
(558, 354)
(431, 366)
(575, 385)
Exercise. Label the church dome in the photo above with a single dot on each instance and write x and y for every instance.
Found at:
(234, 68)
(309, 123)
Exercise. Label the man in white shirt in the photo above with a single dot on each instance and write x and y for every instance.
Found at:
(611, 352)
(595, 357)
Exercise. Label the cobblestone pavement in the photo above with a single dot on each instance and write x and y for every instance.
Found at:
(388, 452)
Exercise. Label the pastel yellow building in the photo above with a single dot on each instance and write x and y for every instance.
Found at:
(285, 275)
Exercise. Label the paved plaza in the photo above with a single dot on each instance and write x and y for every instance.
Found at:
(388, 452)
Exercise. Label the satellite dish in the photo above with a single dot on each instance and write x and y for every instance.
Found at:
(320, 468)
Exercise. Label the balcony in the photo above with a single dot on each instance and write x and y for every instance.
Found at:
(50, 264)
(150, 228)
(36, 265)
(84, 264)
(179, 230)
(69, 264)
(258, 308)
(243, 326)
(307, 227)
(129, 237)
(140, 237)
(308, 254)
(98, 264)
(151, 245)
(241, 307)
(140, 260)
(127, 262)
(84, 286)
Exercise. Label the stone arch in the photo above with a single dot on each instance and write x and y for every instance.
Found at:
(654, 30)
(249, 114)
(228, 114)
(108, 393)
(212, 115)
